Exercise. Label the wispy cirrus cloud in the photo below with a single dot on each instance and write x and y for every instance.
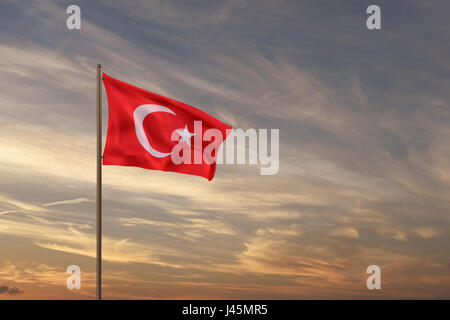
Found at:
(72, 201)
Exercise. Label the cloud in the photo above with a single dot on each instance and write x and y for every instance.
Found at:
(351, 233)
(427, 233)
(9, 290)
(36, 279)
(72, 239)
(188, 229)
(17, 206)
(73, 201)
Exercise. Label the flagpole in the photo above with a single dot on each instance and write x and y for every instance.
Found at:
(99, 183)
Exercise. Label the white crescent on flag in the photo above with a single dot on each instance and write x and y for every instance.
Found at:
(139, 115)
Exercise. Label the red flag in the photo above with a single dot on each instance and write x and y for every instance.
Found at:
(151, 131)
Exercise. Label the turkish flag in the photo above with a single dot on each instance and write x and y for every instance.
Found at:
(151, 131)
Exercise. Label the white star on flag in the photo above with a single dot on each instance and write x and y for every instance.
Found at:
(185, 135)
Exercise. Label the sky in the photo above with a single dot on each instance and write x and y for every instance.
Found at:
(364, 176)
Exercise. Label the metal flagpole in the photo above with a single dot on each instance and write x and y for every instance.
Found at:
(99, 182)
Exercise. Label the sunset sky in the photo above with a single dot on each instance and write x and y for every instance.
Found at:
(364, 177)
